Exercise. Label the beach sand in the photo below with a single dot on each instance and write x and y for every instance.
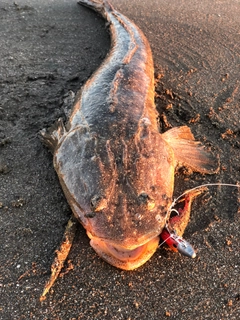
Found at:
(50, 48)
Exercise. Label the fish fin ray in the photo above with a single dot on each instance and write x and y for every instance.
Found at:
(190, 153)
(52, 136)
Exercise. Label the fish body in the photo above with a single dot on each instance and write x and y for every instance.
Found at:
(116, 169)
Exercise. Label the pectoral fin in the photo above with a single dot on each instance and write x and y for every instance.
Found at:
(53, 135)
(190, 153)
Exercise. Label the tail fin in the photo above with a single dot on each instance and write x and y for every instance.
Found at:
(101, 6)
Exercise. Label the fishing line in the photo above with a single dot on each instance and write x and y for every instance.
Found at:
(182, 244)
(199, 187)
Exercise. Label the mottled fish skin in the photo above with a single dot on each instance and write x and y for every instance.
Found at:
(115, 168)
(113, 143)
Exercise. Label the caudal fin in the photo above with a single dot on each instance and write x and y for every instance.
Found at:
(190, 153)
(101, 6)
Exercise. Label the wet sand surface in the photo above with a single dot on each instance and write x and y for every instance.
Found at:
(49, 48)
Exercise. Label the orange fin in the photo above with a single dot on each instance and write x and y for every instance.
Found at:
(190, 153)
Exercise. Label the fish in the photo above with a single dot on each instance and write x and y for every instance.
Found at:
(116, 169)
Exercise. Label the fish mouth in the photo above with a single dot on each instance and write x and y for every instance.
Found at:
(122, 257)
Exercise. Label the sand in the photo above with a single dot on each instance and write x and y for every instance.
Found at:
(50, 48)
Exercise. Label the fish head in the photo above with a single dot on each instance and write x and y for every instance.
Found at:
(120, 191)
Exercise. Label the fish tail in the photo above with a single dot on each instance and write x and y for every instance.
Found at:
(101, 6)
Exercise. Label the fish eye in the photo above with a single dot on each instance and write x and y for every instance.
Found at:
(145, 199)
(98, 203)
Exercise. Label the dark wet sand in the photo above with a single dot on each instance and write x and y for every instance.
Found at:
(48, 49)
